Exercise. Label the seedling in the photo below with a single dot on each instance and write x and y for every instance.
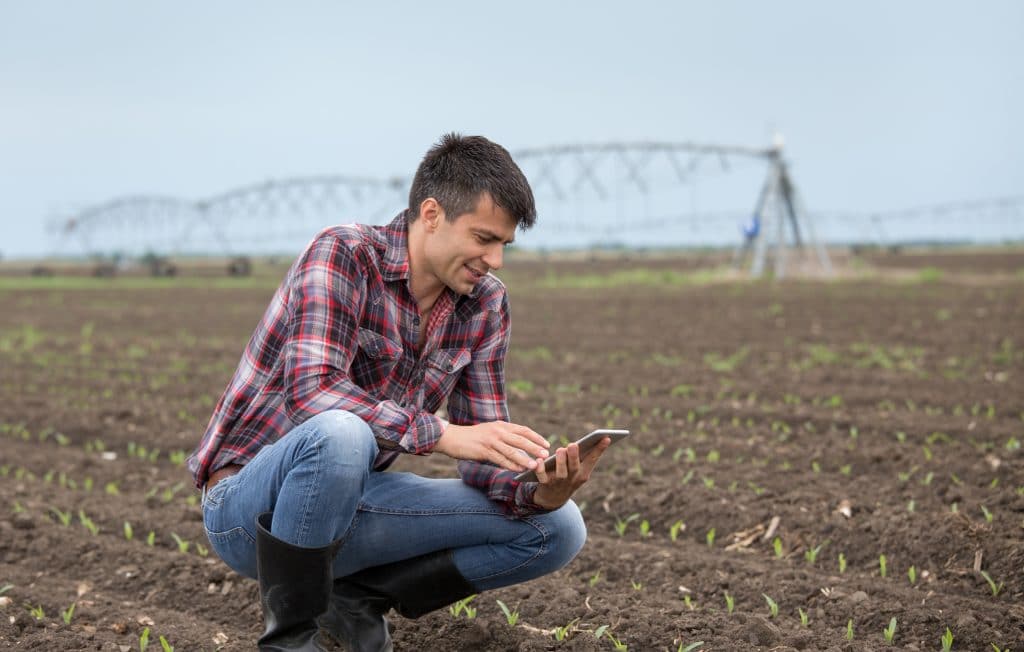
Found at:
(987, 514)
(881, 565)
(182, 543)
(201, 550)
(691, 647)
(144, 640)
(63, 517)
(773, 607)
(36, 611)
(128, 534)
(842, 563)
(619, 645)
(811, 554)
(511, 617)
(890, 631)
(67, 614)
(151, 539)
(563, 631)
(947, 641)
(5, 588)
(88, 523)
(710, 537)
(912, 575)
(730, 603)
(645, 528)
(622, 524)
(849, 629)
(803, 617)
(638, 586)
(992, 584)
(674, 529)
(165, 646)
(595, 578)
(111, 488)
(462, 605)
(690, 604)
(777, 546)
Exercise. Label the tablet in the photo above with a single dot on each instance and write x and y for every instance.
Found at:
(585, 443)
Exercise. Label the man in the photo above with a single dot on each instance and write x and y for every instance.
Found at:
(371, 330)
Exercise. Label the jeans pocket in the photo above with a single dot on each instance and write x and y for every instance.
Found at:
(237, 548)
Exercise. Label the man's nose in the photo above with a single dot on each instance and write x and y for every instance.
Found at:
(495, 256)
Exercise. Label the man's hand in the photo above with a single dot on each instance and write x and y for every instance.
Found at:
(497, 442)
(570, 474)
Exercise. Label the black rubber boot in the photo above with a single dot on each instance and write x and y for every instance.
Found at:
(295, 588)
(412, 587)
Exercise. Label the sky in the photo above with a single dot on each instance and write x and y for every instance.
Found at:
(883, 105)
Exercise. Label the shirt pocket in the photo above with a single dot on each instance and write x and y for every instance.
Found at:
(376, 358)
(442, 369)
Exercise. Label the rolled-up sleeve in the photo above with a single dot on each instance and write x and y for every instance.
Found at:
(479, 397)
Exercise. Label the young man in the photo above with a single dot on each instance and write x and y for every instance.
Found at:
(371, 330)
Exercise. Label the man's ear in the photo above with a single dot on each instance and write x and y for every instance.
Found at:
(431, 213)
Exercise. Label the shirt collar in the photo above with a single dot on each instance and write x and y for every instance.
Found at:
(395, 265)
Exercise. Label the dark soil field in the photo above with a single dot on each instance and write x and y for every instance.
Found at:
(809, 460)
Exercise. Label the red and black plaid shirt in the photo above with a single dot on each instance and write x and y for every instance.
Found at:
(341, 333)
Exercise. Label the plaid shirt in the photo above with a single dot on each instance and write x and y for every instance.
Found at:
(341, 333)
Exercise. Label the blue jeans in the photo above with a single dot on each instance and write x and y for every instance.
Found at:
(319, 482)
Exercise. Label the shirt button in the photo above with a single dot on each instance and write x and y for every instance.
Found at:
(416, 321)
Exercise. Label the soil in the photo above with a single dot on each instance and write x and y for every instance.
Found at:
(858, 418)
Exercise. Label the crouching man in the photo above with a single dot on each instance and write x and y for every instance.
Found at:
(370, 331)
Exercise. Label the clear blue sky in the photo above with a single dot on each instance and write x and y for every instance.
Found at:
(883, 104)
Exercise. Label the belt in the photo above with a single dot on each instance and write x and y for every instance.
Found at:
(220, 474)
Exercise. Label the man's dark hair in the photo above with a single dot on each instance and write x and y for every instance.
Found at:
(459, 169)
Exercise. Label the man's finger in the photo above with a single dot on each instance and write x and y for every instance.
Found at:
(589, 460)
(531, 435)
(572, 458)
(541, 471)
(561, 464)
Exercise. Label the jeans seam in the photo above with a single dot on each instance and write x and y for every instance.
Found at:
(541, 551)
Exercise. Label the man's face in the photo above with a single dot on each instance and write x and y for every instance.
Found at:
(460, 253)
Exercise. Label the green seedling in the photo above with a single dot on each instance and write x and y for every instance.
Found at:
(690, 604)
(144, 640)
(710, 538)
(947, 641)
(645, 528)
(17, 507)
(987, 514)
(811, 554)
(692, 647)
(675, 529)
(151, 539)
(88, 524)
(36, 611)
(599, 632)
(165, 645)
(595, 578)
(912, 575)
(849, 629)
(67, 614)
(777, 546)
(511, 617)
(202, 550)
(5, 588)
(890, 631)
(842, 563)
(111, 488)
(461, 605)
(638, 586)
(87, 483)
(995, 588)
(622, 524)
(730, 603)
(804, 621)
(881, 565)
(773, 607)
(128, 533)
(562, 632)
(182, 543)
(619, 645)
(63, 517)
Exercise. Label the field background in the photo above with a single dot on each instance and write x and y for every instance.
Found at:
(778, 426)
